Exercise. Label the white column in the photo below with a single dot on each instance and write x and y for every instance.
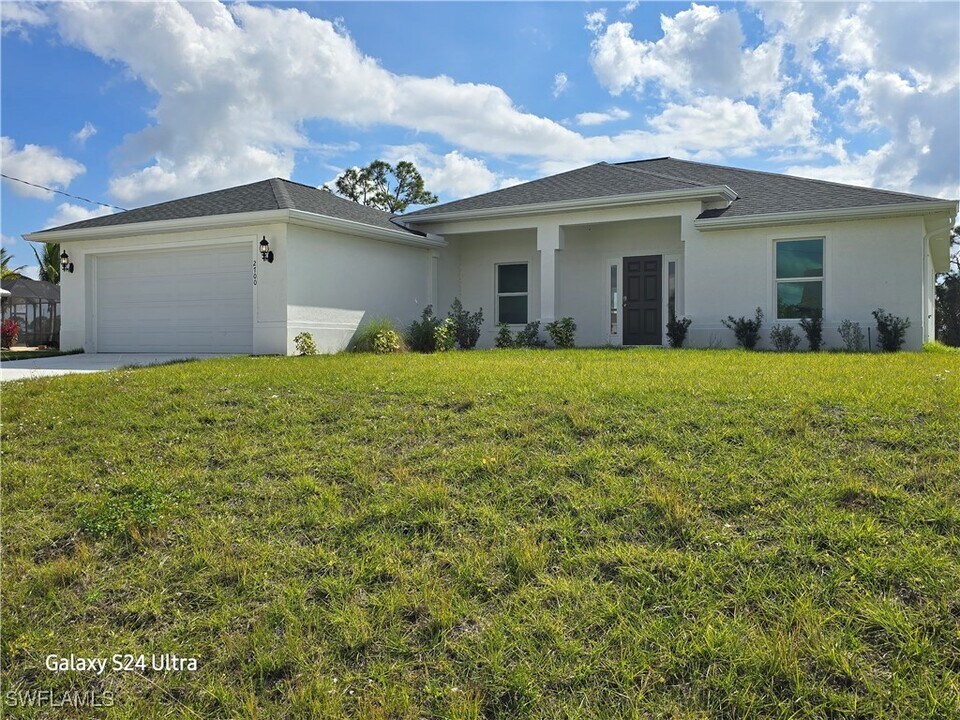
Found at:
(549, 243)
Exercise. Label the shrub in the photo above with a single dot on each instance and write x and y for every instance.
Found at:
(852, 336)
(444, 335)
(377, 336)
(305, 344)
(9, 332)
(746, 331)
(466, 325)
(784, 339)
(529, 337)
(421, 335)
(504, 336)
(813, 328)
(562, 331)
(677, 330)
(891, 330)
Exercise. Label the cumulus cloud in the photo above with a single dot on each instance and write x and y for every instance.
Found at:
(701, 50)
(39, 165)
(85, 133)
(599, 118)
(69, 213)
(453, 175)
(19, 16)
(560, 84)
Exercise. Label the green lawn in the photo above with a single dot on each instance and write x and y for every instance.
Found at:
(494, 534)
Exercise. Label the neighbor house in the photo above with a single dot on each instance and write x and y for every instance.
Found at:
(618, 247)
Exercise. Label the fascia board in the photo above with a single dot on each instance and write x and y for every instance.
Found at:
(792, 218)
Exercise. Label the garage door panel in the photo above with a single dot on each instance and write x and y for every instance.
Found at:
(198, 300)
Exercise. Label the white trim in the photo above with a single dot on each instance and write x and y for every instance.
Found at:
(780, 218)
(701, 193)
(216, 222)
(612, 262)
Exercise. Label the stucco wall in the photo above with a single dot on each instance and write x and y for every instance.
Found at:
(337, 281)
(867, 264)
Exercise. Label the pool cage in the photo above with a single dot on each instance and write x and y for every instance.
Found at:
(35, 305)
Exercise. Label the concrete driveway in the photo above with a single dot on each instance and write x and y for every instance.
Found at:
(84, 363)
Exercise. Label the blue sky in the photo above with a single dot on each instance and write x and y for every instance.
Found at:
(132, 103)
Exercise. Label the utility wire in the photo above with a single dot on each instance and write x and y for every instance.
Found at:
(61, 192)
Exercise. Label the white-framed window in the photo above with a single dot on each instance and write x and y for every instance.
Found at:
(614, 299)
(512, 293)
(799, 278)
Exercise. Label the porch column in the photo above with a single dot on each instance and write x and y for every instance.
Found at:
(549, 243)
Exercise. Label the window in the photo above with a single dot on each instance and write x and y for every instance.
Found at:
(613, 300)
(799, 278)
(672, 289)
(512, 294)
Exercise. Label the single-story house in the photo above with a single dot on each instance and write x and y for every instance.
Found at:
(618, 247)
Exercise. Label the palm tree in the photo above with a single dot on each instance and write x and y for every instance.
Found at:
(49, 262)
(5, 270)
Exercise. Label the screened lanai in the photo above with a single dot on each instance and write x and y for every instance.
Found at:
(35, 305)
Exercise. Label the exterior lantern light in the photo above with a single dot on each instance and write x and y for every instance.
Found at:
(65, 263)
(265, 252)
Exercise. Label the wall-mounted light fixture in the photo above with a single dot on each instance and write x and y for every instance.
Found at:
(265, 252)
(65, 263)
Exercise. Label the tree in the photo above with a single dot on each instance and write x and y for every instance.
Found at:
(5, 270)
(385, 187)
(948, 297)
(48, 262)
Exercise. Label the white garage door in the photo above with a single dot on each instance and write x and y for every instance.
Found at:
(193, 300)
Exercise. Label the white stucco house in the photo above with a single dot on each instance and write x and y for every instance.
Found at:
(618, 247)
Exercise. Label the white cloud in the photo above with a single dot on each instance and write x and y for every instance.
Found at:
(69, 213)
(85, 133)
(7, 240)
(18, 16)
(39, 165)
(598, 118)
(596, 20)
(560, 84)
(700, 51)
(453, 175)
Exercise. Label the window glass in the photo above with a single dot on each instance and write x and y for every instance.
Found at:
(672, 289)
(800, 258)
(613, 300)
(512, 294)
(511, 278)
(799, 299)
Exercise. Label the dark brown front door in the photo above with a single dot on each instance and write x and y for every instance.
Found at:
(642, 300)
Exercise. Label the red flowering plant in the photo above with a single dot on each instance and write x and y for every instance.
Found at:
(9, 330)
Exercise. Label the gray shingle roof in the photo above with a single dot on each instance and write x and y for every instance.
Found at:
(759, 193)
(273, 194)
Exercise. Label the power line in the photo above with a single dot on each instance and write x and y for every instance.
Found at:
(61, 192)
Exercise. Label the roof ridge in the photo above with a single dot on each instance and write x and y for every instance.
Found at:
(662, 176)
(798, 177)
(284, 201)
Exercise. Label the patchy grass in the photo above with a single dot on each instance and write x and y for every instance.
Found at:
(492, 534)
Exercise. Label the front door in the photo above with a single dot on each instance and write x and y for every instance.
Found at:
(642, 300)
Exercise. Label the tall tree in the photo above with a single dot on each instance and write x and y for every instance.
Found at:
(5, 270)
(948, 297)
(385, 186)
(48, 262)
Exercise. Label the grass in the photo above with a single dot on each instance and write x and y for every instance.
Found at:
(6, 355)
(576, 534)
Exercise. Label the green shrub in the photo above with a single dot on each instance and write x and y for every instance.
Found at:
(377, 336)
(529, 337)
(504, 336)
(853, 338)
(784, 339)
(813, 329)
(444, 335)
(562, 332)
(466, 325)
(421, 335)
(891, 330)
(746, 331)
(305, 344)
(677, 330)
